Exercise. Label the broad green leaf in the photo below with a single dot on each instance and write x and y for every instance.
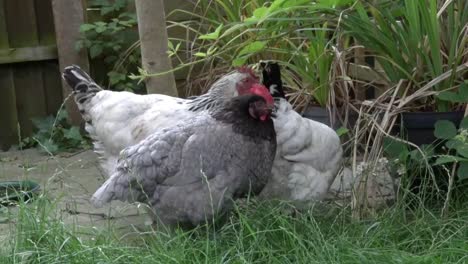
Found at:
(48, 146)
(463, 92)
(43, 124)
(453, 143)
(462, 171)
(445, 129)
(95, 51)
(260, 13)
(342, 131)
(464, 123)
(100, 24)
(100, 29)
(253, 47)
(239, 61)
(86, 27)
(449, 96)
(394, 148)
(115, 77)
(462, 150)
(427, 152)
(448, 159)
(212, 35)
(73, 134)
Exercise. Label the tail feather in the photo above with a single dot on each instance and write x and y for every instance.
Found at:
(117, 187)
(82, 84)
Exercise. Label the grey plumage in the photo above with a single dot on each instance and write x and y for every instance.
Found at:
(193, 171)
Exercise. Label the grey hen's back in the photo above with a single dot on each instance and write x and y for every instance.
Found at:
(191, 172)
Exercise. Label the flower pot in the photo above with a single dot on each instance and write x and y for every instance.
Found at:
(320, 114)
(419, 126)
(14, 191)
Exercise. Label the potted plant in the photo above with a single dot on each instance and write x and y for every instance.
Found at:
(297, 34)
(422, 45)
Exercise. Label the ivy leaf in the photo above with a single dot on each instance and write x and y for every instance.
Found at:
(445, 129)
(212, 35)
(462, 171)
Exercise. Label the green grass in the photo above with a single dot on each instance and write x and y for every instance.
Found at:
(254, 234)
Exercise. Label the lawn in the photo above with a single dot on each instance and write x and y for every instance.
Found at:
(256, 233)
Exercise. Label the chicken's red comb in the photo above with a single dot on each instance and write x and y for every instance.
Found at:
(262, 91)
(248, 70)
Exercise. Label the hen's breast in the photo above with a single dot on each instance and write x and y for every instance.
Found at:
(308, 157)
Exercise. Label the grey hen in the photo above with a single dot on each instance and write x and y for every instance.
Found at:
(193, 171)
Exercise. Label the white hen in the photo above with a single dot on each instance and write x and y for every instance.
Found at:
(116, 120)
(309, 153)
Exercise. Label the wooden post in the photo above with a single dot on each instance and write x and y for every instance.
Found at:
(153, 37)
(68, 16)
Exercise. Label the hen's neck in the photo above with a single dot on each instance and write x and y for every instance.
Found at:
(213, 99)
(243, 123)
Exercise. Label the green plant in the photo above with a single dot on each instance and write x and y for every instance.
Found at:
(111, 40)
(299, 34)
(418, 41)
(43, 233)
(55, 134)
(456, 145)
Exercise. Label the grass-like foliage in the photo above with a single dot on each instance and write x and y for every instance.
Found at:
(257, 233)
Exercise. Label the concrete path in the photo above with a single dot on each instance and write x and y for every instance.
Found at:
(69, 179)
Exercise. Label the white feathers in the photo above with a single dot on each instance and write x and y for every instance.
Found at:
(273, 88)
(309, 154)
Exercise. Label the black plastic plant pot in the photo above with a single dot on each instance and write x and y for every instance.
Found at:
(419, 126)
(14, 191)
(320, 114)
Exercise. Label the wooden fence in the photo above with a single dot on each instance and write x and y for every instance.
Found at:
(30, 83)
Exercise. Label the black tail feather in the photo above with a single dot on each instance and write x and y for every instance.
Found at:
(82, 84)
(78, 79)
(271, 74)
